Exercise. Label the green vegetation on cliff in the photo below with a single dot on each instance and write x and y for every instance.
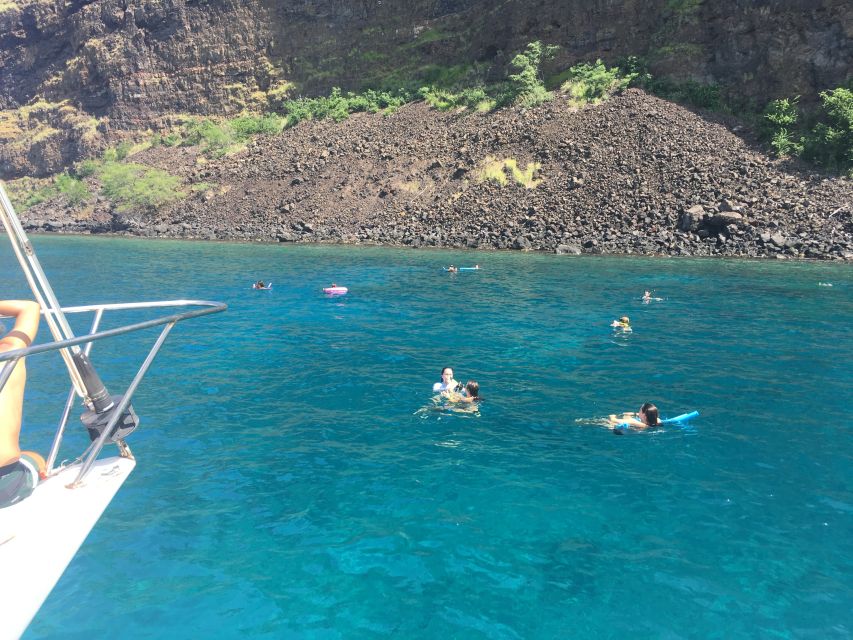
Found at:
(339, 106)
(28, 192)
(594, 83)
(445, 99)
(781, 119)
(527, 87)
(127, 185)
(689, 92)
(131, 185)
(74, 189)
(824, 140)
(218, 137)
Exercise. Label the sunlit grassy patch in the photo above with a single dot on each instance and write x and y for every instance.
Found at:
(524, 176)
(412, 186)
(500, 170)
(41, 120)
(43, 133)
(9, 129)
(484, 106)
(26, 192)
(492, 170)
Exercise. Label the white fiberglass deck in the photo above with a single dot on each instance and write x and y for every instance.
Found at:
(40, 535)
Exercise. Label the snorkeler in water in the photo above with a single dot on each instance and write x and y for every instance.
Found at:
(647, 417)
(622, 324)
(471, 393)
(447, 382)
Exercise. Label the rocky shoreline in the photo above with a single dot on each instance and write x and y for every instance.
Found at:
(635, 175)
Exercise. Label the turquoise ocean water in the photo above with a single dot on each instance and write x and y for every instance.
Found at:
(289, 487)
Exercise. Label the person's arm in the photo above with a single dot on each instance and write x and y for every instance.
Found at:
(626, 418)
(460, 396)
(453, 396)
(27, 315)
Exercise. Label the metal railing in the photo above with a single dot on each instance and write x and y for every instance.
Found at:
(89, 456)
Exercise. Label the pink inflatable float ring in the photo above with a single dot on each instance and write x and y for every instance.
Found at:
(335, 291)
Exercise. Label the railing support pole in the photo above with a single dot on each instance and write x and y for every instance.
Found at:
(120, 408)
(60, 432)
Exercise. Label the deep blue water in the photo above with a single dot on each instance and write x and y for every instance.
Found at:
(288, 487)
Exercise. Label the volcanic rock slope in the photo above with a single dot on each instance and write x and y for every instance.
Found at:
(633, 175)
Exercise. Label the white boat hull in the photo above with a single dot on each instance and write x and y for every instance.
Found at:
(40, 535)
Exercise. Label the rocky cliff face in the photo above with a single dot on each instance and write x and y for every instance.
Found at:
(758, 49)
(136, 62)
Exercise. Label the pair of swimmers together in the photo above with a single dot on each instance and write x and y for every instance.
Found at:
(455, 391)
(648, 416)
(624, 323)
